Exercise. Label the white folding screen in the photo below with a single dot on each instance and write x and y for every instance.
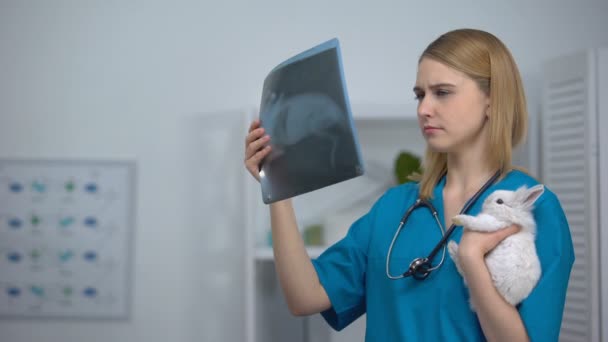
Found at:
(569, 166)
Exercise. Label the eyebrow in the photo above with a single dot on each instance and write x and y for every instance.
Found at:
(435, 86)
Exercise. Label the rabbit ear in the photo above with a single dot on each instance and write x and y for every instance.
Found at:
(532, 194)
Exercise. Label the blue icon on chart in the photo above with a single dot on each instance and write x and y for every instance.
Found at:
(91, 188)
(14, 257)
(37, 291)
(13, 291)
(90, 292)
(15, 223)
(90, 221)
(65, 256)
(90, 256)
(38, 187)
(66, 222)
(16, 187)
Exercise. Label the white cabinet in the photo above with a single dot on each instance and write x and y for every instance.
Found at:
(383, 131)
(574, 152)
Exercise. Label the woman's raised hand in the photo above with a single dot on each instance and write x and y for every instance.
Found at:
(256, 148)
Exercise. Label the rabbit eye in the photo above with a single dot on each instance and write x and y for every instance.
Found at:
(499, 201)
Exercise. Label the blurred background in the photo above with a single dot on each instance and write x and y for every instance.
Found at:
(170, 86)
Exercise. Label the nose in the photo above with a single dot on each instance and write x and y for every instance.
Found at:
(425, 108)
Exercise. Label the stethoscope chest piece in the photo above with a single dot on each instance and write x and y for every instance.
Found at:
(419, 268)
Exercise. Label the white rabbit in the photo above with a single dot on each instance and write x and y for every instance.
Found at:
(513, 263)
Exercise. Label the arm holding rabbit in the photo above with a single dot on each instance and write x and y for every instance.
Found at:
(499, 320)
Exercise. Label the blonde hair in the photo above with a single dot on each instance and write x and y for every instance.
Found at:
(486, 60)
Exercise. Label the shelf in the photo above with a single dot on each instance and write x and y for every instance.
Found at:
(265, 253)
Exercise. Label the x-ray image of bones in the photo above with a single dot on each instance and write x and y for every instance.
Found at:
(291, 119)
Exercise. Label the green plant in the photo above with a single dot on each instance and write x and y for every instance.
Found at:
(406, 164)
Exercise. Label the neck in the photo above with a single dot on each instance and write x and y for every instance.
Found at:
(467, 173)
(468, 167)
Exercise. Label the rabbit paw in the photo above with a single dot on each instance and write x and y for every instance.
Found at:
(459, 220)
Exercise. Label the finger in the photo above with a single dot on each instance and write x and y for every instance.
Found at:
(506, 232)
(255, 175)
(253, 163)
(254, 135)
(512, 229)
(256, 159)
(255, 146)
(254, 124)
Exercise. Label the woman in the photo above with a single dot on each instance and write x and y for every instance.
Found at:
(472, 113)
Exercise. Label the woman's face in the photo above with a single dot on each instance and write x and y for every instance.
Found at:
(451, 107)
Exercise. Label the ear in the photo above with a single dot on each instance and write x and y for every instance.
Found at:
(487, 111)
(532, 194)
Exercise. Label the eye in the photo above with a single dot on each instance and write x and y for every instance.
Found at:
(418, 96)
(499, 201)
(442, 93)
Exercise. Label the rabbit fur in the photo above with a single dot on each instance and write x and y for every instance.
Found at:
(513, 264)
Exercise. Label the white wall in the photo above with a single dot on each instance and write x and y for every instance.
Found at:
(116, 79)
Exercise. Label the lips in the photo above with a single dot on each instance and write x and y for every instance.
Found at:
(430, 129)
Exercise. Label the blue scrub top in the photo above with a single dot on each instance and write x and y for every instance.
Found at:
(437, 309)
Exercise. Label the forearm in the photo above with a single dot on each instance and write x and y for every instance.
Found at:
(298, 277)
(500, 321)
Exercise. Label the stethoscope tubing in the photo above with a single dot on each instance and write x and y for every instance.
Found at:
(418, 262)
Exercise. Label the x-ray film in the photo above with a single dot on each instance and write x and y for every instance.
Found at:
(306, 112)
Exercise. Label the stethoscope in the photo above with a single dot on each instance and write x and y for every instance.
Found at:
(420, 268)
